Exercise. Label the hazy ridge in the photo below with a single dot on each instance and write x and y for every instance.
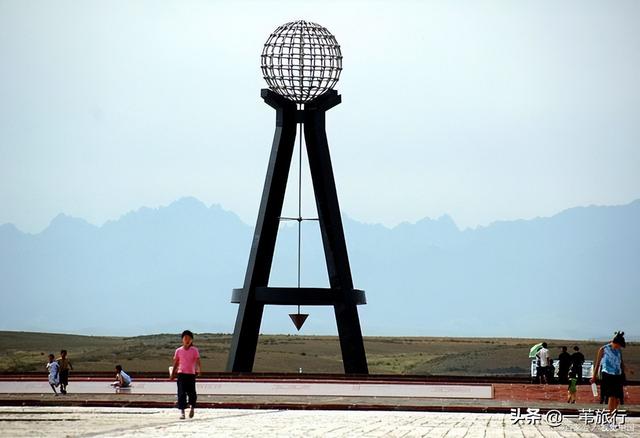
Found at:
(158, 270)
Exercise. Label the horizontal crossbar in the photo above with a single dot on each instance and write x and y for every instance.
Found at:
(304, 296)
(299, 219)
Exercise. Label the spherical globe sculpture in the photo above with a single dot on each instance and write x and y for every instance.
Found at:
(301, 60)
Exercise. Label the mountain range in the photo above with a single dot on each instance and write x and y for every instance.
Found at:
(573, 275)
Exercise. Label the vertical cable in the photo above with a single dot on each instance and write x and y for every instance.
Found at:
(302, 41)
(299, 204)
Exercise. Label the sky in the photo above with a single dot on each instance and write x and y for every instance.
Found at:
(483, 110)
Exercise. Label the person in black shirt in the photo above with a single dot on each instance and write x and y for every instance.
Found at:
(551, 370)
(564, 363)
(577, 359)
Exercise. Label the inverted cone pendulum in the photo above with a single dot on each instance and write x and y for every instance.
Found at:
(298, 319)
(301, 63)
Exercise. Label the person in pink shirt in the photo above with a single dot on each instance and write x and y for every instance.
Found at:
(186, 365)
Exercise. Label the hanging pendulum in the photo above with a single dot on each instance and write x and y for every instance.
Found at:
(299, 318)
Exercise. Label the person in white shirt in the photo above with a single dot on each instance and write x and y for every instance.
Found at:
(123, 380)
(543, 363)
(54, 372)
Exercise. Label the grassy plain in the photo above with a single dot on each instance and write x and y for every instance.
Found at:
(26, 352)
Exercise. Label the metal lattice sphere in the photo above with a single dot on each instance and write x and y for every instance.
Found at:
(301, 61)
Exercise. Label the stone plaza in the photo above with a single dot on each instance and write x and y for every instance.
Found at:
(136, 422)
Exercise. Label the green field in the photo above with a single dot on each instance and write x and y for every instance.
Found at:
(26, 352)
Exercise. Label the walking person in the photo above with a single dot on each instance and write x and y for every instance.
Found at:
(542, 363)
(54, 373)
(577, 360)
(608, 365)
(186, 365)
(564, 364)
(65, 367)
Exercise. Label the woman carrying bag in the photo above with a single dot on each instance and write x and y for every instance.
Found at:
(609, 371)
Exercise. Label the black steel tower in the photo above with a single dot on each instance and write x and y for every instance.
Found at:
(301, 62)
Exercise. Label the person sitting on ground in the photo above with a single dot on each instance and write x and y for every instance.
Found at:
(123, 380)
(609, 366)
(54, 373)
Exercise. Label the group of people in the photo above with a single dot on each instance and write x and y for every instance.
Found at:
(186, 365)
(609, 370)
(568, 365)
(59, 371)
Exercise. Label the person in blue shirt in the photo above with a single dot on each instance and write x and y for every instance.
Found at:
(610, 367)
(123, 380)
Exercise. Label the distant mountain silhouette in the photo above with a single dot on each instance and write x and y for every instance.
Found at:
(573, 275)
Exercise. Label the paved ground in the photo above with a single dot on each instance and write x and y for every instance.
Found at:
(287, 411)
(128, 422)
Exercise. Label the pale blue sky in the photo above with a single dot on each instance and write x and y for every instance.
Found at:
(484, 110)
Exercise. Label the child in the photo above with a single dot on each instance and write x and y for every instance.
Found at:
(186, 364)
(65, 367)
(54, 371)
(573, 387)
(123, 380)
(551, 371)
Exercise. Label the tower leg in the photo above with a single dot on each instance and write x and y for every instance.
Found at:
(354, 358)
(335, 248)
(247, 328)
